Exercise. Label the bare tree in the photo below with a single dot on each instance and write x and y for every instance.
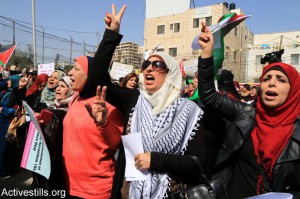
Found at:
(56, 60)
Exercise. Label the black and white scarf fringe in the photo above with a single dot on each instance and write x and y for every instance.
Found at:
(167, 132)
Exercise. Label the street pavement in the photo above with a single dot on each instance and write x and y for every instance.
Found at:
(20, 181)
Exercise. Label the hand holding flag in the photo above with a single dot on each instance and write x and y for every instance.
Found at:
(225, 24)
(206, 41)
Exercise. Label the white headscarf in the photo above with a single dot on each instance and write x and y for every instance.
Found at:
(63, 104)
(171, 88)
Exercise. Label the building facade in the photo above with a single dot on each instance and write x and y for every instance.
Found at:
(174, 34)
(268, 43)
(128, 53)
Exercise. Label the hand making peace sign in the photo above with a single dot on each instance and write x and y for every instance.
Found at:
(99, 110)
(113, 20)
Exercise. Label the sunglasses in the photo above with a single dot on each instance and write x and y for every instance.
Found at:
(156, 65)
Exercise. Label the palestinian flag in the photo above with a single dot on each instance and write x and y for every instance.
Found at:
(181, 66)
(225, 24)
(5, 53)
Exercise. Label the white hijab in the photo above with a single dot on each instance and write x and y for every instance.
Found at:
(171, 88)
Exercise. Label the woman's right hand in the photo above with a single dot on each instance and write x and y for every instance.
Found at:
(206, 41)
(113, 20)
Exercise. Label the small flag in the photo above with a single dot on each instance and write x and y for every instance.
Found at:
(182, 68)
(225, 24)
(5, 53)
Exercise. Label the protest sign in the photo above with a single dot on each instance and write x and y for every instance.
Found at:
(36, 156)
(120, 70)
(46, 69)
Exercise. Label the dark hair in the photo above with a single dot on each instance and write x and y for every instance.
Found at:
(226, 83)
(256, 88)
(121, 79)
(127, 78)
(247, 87)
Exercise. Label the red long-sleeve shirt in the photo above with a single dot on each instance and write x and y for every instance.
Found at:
(88, 152)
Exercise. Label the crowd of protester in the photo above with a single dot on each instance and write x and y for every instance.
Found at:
(246, 137)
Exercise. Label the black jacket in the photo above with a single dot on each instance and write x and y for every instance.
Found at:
(286, 172)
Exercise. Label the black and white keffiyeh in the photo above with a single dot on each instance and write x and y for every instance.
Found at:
(167, 132)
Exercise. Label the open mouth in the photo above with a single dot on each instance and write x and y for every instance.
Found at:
(72, 81)
(149, 78)
(271, 94)
(51, 83)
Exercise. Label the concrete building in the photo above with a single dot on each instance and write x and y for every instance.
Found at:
(267, 43)
(128, 53)
(175, 32)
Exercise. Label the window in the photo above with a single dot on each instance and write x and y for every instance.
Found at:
(258, 64)
(195, 52)
(196, 23)
(160, 50)
(294, 59)
(176, 27)
(257, 60)
(171, 26)
(173, 52)
(227, 52)
(234, 55)
(235, 31)
(161, 29)
(208, 21)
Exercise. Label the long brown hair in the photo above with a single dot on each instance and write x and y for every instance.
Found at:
(128, 77)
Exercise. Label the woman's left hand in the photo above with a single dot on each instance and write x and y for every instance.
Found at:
(142, 161)
(99, 110)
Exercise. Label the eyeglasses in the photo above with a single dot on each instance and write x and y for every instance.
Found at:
(156, 65)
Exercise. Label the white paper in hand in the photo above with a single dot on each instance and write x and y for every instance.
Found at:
(133, 145)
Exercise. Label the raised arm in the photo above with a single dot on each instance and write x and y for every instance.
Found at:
(209, 96)
(98, 73)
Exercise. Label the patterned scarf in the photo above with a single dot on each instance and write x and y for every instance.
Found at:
(48, 96)
(167, 132)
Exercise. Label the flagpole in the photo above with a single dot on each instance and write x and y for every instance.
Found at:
(33, 31)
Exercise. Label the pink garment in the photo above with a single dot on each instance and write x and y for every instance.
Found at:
(88, 152)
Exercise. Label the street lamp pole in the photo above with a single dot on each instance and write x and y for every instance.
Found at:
(71, 49)
(43, 45)
(14, 39)
(34, 34)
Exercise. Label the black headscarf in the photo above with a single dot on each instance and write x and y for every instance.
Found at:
(226, 83)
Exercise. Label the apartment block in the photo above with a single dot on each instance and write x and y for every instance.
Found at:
(128, 53)
(174, 34)
(272, 42)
